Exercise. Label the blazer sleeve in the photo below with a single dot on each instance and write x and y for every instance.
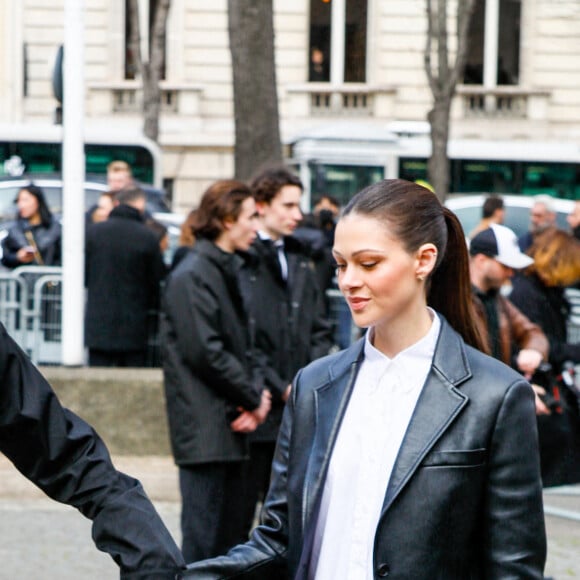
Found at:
(65, 458)
(515, 535)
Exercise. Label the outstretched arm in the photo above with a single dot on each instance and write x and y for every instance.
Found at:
(65, 457)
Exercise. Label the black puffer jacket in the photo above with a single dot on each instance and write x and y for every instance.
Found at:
(47, 239)
(206, 357)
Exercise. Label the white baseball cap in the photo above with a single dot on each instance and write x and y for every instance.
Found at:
(501, 243)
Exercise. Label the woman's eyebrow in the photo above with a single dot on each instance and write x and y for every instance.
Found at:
(363, 251)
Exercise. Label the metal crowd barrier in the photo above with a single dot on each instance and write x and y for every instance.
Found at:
(30, 309)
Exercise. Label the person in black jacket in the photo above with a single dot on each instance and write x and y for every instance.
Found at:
(35, 237)
(124, 269)
(213, 396)
(63, 456)
(287, 311)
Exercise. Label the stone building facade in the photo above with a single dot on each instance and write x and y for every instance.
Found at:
(354, 60)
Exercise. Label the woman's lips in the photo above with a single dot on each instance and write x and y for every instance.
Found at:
(357, 303)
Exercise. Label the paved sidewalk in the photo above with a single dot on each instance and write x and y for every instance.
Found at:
(42, 539)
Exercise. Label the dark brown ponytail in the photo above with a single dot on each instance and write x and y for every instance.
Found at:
(449, 289)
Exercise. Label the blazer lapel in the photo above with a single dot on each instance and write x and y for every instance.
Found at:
(438, 405)
(331, 400)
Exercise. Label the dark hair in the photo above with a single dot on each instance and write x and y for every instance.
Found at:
(330, 198)
(266, 185)
(43, 209)
(128, 195)
(416, 217)
(491, 205)
(221, 201)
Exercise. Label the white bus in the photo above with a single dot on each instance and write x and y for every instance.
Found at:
(341, 159)
(37, 149)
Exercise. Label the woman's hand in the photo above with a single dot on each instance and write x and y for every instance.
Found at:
(25, 255)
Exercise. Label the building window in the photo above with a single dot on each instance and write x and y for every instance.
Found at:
(338, 41)
(494, 44)
(147, 13)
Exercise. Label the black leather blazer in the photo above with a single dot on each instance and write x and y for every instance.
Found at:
(464, 500)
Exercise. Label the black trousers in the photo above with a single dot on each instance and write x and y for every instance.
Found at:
(111, 358)
(212, 512)
(257, 478)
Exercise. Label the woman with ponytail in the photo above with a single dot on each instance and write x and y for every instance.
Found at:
(411, 454)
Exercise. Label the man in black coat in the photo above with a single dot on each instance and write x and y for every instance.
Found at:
(64, 457)
(286, 308)
(124, 269)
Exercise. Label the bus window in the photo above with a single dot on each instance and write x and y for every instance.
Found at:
(557, 179)
(341, 181)
(31, 150)
(97, 157)
(413, 169)
(35, 157)
(477, 176)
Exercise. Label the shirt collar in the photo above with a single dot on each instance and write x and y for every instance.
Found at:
(423, 349)
(276, 243)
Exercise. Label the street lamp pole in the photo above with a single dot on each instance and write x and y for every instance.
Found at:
(73, 171)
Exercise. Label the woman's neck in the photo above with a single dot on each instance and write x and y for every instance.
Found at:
(394, 336)
(35, 220)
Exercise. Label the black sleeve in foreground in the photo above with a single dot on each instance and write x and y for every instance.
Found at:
(65, 457)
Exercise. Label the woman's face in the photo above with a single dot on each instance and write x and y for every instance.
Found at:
(27, 204)
(243, 231)
(377, 276)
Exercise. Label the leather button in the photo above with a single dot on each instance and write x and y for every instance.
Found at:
(383, 570)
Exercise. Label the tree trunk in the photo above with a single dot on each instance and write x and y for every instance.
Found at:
(443, 78)
(257, 132)
(154, 68)
(438, 165)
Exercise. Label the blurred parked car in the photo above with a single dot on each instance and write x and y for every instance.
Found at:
(517, 211)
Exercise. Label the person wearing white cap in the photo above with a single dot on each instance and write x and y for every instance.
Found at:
(511, 336)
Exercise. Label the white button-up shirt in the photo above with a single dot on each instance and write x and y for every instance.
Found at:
(376, 419)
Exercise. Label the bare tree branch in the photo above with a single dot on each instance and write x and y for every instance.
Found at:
(465, 12)
(442, 48)
(135, 35)
(429, 47)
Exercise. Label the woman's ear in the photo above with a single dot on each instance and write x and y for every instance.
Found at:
(426, 260)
